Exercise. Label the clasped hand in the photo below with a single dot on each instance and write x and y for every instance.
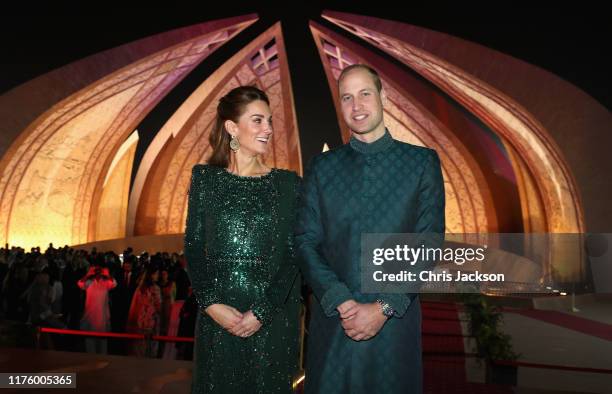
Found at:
(235, 322)
(361, 321)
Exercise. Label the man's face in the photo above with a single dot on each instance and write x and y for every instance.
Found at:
(361, 103)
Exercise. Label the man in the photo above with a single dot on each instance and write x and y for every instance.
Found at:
(122, 295)
(364, 343)
(181, 278)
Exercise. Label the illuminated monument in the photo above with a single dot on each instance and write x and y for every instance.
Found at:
(508, 133)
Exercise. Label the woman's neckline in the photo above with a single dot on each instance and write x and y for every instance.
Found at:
(250, 176)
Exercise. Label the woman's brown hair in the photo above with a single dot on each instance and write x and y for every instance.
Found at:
(231, 107)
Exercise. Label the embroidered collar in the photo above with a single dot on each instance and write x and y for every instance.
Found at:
(381, 144)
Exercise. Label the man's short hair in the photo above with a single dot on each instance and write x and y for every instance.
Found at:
(370, 70)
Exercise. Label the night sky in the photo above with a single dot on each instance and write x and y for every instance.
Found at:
(572, 43)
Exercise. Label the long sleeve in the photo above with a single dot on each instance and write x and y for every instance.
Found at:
(83, 284)
(278, 290)
(324, 282)
(430, 221)
(109, 283)
(203, 282)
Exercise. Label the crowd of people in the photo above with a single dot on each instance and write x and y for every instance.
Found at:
(102, 292)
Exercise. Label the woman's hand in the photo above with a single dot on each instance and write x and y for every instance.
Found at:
(226, 316)
(248, 326)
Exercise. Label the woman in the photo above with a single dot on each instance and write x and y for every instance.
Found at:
(168, 295)
(238, 245)
(144, 316)
(41, 300)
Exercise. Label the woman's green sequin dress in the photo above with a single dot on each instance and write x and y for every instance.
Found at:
(239, 250)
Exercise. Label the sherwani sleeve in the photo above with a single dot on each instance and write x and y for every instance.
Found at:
(279, 289)
(430, 220)
(329, 290)
(202, 279)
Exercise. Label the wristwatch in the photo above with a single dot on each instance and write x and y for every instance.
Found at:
(387, 310)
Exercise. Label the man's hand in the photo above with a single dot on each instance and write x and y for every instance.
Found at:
(345, 306)
(248, 326)
(226, 316)
(362, 321)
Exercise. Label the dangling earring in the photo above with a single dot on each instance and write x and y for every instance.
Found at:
(234, 143)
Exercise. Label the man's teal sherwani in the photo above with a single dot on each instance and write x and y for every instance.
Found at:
(383, 187)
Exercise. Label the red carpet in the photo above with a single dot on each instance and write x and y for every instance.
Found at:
(580, 324)
(441, 329)
(444, 353)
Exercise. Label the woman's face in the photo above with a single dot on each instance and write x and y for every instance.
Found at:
(254, 129)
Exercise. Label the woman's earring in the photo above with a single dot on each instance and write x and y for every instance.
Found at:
(234, 143)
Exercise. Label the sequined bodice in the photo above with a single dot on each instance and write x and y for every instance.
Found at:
(241, 216)
(241, 234)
